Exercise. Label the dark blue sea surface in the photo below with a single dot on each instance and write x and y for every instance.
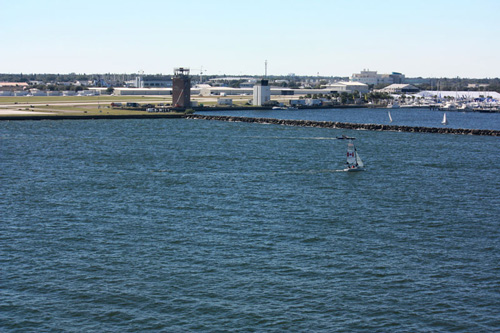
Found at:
(402, 116)
(194, 225)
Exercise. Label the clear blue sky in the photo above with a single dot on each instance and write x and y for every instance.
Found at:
(437, 38)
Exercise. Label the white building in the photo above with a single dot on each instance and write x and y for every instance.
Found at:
(372, 78)
(261, 93)
(141, 91)
(225, 101)
(348, 87)
(206, 90)
(35, 92)
(399, 88)
(366, 77)
(139, 82)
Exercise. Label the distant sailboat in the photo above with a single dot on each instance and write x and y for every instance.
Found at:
(354, 162)
(445, 121)
(390, 118)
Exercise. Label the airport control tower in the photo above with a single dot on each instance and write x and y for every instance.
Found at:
(261, 93)
(181, 90)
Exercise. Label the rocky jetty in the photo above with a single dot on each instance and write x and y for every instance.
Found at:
(339, 125)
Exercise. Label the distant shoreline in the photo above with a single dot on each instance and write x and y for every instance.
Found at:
(88, 117)
(287, 122)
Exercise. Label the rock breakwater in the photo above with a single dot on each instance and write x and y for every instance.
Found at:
(352, 126)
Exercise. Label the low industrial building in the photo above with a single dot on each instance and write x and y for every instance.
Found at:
(399, 89)
(225, 101)
(12, 86)
(140, 82)
(206, 90)
(141, 91)
(348, 87)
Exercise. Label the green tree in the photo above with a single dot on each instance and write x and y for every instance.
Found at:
(344, 97)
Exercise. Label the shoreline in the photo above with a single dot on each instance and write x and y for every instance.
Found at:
(88, 117)
(12, 114)
(286, 122)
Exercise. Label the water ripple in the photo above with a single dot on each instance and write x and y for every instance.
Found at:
(178, 225)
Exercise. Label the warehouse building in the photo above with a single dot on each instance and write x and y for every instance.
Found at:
(399, 89)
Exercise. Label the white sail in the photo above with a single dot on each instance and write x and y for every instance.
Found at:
(359, 161)
(354, 162)
(445, 121)
(390, 118)
(351, 154)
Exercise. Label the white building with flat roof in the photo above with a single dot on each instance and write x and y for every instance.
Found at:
(366, 77)
(348, 87)
(372, 78)
(261, 93)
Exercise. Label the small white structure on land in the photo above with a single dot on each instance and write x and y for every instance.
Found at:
(225, 101)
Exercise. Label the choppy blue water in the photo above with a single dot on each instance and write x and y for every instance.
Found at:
(194, 225)
(402, 116)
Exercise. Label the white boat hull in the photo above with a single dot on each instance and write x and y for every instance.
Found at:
(354, 169)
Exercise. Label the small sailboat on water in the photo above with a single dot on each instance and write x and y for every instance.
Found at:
(354, 162)
(390, 118)
(445, 121)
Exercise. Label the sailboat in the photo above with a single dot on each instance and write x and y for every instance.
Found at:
(354, 162)
(390, 118)
(445, 121)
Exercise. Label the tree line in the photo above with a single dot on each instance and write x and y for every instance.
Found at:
(442, 84)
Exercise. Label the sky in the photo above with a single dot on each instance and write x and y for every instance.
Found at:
(439, 38)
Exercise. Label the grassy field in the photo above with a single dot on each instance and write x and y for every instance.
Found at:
(98, 105)
(79, 99)
(105, 99)
(47, 106)
(48, 112)
(91, 109)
